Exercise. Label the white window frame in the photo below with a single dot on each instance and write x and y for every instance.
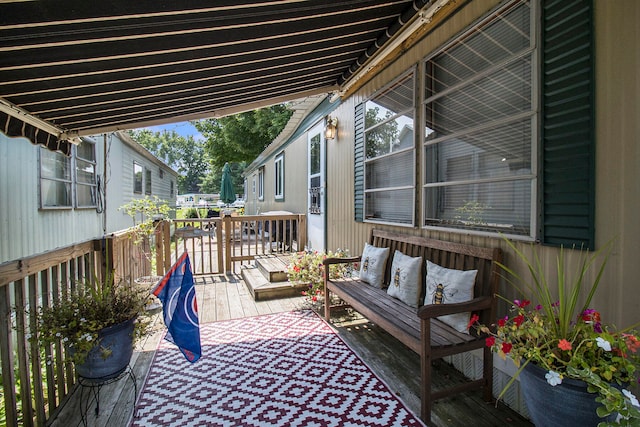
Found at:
(48, 175)
(395, 193)
(148, 190)
(278, 165)
(478, 218)
(261, 183)
(138, 181)
(89, 164)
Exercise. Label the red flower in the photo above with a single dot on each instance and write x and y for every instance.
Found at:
(522, 304)
(632, 342)
(503, 322)
(564, 345)
(506, 347)
(518, 320)
(473, 320)
(490, 341)
(314, 299)
(296, 268)
(590, 315)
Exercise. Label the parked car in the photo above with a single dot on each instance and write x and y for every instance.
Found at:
(239, 203)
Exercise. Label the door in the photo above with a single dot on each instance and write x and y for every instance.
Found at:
(316, 184)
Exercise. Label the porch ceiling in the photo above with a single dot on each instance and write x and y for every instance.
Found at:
(74, 68)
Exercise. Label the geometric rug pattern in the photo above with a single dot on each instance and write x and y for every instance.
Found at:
(285, 369)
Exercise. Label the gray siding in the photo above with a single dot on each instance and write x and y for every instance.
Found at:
(27, 230)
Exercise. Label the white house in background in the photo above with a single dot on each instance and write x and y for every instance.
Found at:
(191, 200)
(48, 200)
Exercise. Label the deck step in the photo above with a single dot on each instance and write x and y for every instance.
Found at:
(273, 267)
(262, 289)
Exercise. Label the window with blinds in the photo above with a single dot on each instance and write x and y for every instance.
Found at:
(479, 154)
(389, 154)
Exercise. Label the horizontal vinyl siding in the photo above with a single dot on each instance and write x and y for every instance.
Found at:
(24, 229)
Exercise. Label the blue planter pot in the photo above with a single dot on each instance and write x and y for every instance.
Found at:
(568, 404)
(119, 339)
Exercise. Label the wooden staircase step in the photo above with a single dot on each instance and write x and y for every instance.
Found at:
(261, 288)
(273, 267)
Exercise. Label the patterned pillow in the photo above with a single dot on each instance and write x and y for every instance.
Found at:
(445, 286)
(372, 264)
(406, 279)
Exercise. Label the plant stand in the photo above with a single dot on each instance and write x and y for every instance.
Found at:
(93, 386)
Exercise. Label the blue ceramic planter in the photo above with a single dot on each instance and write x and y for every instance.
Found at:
(119, 339)
(568, 404)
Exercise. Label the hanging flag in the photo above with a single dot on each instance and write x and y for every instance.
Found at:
(180, 309)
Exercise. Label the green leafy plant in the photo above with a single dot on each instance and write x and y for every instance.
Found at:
(76, 318)
(145, 213)
(566, 338)
(306, 267)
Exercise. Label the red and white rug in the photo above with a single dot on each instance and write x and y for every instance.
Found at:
(286, 369)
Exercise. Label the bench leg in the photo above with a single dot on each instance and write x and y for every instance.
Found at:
(487, 367)
(327, 304)
(425, 388)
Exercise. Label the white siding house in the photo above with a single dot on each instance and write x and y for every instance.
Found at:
(48, 200)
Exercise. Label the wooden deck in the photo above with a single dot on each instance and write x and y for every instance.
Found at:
(223, 297)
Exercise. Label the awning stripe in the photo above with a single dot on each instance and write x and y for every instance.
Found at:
(16, 128)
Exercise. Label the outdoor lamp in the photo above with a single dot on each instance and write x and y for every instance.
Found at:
(331, 128)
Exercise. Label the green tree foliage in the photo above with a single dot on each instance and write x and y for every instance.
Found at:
(381, 138)
(185, 155)
(242, 137)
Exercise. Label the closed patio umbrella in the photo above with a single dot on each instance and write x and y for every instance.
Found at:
(227, 195)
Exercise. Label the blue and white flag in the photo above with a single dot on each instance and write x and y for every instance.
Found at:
(180, 309)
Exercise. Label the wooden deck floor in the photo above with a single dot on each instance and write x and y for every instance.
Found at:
(226, 297)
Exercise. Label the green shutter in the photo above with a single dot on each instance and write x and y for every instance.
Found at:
(568, 142)
(358, 169)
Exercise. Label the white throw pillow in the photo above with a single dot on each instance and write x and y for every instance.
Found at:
(446, 286)
(372, 264)
(406, 279)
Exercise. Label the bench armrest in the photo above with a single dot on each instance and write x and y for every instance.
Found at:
(329, 261)
(435, 310)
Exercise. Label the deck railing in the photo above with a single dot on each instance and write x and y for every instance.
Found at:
(216, 245)
(35, 380)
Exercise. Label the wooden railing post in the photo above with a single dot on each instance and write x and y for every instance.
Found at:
(159, 247)
(166, 239)
(228, 234)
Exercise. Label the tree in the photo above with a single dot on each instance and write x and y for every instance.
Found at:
(185, 155)
(242, 137)
(380, 139)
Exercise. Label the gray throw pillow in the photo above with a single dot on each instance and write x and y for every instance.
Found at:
(445, 286)
(372, 265)
(406, 279)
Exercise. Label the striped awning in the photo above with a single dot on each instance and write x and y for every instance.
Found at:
(75, 67)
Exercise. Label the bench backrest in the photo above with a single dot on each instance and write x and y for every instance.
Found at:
(446, 254)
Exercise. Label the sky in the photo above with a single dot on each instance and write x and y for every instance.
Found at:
(181, 128)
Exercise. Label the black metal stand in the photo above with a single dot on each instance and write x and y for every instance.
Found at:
(93, 386)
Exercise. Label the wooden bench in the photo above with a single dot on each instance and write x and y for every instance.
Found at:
(419, 329)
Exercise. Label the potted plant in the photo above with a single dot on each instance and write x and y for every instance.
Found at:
(563, 349)
(97, 322)
(306, 267)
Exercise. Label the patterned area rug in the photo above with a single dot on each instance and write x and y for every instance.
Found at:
(286, 369)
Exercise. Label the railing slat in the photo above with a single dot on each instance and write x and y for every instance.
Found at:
(22, 351)
(36, 361)
(6, 357)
